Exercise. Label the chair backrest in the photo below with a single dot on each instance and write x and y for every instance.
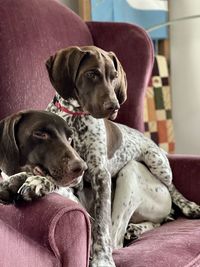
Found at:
(30, 31)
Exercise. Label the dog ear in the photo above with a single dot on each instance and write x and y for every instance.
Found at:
(121, 86)
(9, 152)
(63, 68)
(49, 65)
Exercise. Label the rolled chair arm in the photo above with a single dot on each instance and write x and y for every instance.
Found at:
(56, 223)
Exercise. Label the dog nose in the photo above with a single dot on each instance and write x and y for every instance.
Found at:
(109, 106)
(77, 167)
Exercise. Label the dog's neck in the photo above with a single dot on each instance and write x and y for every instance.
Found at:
(69, 106)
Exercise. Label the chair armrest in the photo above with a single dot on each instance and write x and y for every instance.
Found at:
(186, 175)
(134, 49)
(57, 223)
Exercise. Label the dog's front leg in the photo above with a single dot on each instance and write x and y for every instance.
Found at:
(36, 186)
(101, 246)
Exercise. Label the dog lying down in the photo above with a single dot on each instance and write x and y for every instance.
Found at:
(36, 154)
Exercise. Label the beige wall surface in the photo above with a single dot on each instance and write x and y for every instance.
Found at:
(185, 75)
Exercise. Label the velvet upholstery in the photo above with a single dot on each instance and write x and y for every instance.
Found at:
(33, 30)
(30, 31)
(54, 231)
(175, 244)
(186, 175)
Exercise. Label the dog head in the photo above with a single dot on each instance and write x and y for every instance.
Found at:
(39, 142)
(92, 76)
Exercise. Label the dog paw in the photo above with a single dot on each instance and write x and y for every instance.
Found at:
(191, 210)
(9, 187)
(133, 231)
(35, 187)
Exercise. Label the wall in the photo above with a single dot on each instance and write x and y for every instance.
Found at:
(185, 75)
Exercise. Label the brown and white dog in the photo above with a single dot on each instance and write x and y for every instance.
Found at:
(91, 85)
(35, 149)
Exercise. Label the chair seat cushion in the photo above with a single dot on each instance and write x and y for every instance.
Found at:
(174, 244)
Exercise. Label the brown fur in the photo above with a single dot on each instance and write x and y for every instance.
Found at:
(39, 139)
(92, 76)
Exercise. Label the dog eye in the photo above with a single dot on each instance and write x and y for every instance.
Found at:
(91, 75)
(41, 135)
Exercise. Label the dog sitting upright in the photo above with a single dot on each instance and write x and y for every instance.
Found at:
(91, 85)
(35, 152)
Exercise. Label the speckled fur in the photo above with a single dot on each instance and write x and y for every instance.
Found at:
(26, 186)
(89, 137)
(93, 81)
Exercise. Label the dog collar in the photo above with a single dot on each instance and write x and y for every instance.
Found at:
(66, 110)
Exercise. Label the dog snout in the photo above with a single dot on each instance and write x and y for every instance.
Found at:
(77, 167)
(111, 106)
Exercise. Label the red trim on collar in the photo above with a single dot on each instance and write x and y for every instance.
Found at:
(66, 110)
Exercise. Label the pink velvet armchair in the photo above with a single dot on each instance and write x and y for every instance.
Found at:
(54, 231)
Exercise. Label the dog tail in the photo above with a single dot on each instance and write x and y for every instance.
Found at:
(188, 208)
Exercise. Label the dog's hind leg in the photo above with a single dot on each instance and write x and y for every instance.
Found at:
(139, 197)
(134, 230)
(156, 160)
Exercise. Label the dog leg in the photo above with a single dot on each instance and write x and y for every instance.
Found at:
(10, 187)
(133, 230)
(35, 187)
(139, 197)
(101, 245)
(156, 160)
(126, 201)
(190, 209)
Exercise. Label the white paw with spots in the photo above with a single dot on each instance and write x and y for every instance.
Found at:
(35, 187)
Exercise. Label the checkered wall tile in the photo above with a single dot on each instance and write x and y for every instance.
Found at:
(157, 108)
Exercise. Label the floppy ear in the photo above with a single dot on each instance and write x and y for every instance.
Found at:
(63, 68)
(121, 86)
(9, 153)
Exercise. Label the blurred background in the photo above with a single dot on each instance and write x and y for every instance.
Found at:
(172, 104)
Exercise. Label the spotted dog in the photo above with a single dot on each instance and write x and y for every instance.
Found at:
(36, 154)
(91, 85)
